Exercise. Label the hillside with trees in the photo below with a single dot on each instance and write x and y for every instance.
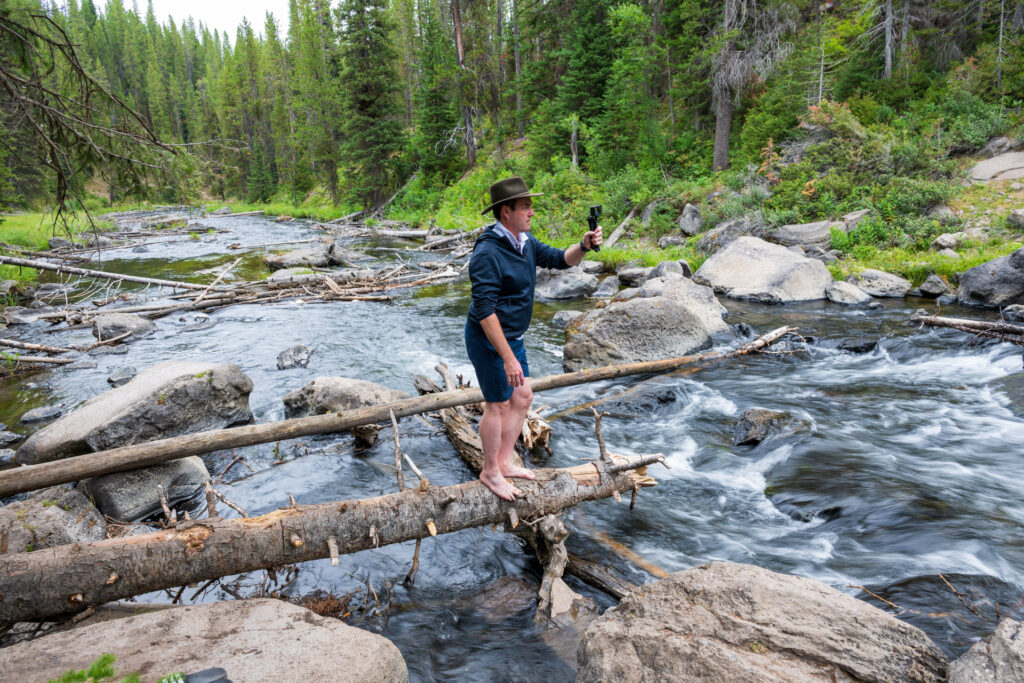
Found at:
(791, 110)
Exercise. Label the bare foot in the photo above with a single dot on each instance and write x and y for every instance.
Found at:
(517, 472)
(499, 485)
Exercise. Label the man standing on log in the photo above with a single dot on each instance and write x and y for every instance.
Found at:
(503, 273)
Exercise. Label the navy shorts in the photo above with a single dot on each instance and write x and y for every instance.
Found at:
(490, 369)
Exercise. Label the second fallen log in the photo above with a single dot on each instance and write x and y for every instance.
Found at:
(69, 578)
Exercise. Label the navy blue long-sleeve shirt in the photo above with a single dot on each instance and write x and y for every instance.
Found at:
(503, 279)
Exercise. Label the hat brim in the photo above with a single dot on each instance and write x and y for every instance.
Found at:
(508, 199)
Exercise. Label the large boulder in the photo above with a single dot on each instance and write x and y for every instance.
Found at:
(806, 234)
(317, 255)
(750, 268)
(732, 622)
(334, 394)
(880, 283)
(1006, 166)
(999, 657)
(690, 221)
(995, 284)
(110, 325)
(608, 288)
(164, 400)
(666, 317)
(562, 285)
(50, 517)
(252, 640)
(725, 233)
(634, 276)
(134, 495)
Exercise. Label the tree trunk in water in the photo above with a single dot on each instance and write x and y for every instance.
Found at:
(72, 577)
(22, 479)
(723, 124)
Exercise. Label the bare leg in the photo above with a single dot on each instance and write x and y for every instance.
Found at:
(512, 427)
(490, 439)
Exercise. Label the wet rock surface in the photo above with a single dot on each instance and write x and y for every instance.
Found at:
(999, 657)
(294, 357)
(50, 517)
(134, 495)
(122, 376)
(110, 325)
(757, 424)
(163, 400)
(42, 414)
(333, 394)
(732, 622)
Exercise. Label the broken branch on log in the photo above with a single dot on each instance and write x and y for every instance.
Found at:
(22, 479)
(72, 577)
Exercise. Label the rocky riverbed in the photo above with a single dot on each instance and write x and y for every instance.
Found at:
(893, 454)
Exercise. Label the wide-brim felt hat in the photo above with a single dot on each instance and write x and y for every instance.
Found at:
(508, 189)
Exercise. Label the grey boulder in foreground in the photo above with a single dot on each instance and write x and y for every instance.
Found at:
(734, 622)
(252, 640)
(997, 283)
(999, 657)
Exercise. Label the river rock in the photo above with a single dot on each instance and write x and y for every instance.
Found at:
(949, 240)
(933, 287)
(118, 350)
(42, 413)
(690, 221)
(563, 285)
(1014, 314)
(725, 233)
(340, 256)
(122, 376)
(133, 495)
(817, 234)
(750, 268)
(7, 438)
(295, 357)
(91, 240)
(60, 243)
(732, 622)
(333, 394)
(141, 249)
(633, 276)
(1005, 166)
(317, 255)
(8, 457)
(83, 364)
(592, 267)
(110, 325)
(50, 517)
(853, 219)
(756, 424)
(995, 284)
(164, 400)
(1015, 219)
(286, 273)
(999, 657)
(857, 345)
(608, 288)
(563, 319)
(665, 268)
(259, 639)
(880, 283)
(19, 315)
(666, 317)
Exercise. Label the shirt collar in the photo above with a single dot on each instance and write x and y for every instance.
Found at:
(518, 243)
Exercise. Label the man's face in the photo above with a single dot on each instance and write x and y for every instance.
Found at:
(517, 219)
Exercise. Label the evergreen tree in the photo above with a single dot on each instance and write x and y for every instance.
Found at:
(437, 117)
(260, 184)
(372, 112)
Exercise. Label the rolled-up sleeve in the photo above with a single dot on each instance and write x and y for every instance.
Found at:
(548, 257)
(485, 274)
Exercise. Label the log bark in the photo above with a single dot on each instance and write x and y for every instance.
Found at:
(1007, 331)
(434, 244)
(96, 464)
(38, 359)
(70, 578)
(617, 233)
(97, 274)
(15, 344)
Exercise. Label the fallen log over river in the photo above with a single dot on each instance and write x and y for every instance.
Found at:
(132, 457)
(85, 272)
(70, 578)
(984, 328)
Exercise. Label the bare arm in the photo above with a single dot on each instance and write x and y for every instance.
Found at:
(513, 369)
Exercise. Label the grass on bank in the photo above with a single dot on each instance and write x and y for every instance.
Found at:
(32, 231)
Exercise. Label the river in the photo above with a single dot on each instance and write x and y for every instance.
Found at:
(905, 462)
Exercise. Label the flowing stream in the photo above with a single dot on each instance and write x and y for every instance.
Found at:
(904, 462)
